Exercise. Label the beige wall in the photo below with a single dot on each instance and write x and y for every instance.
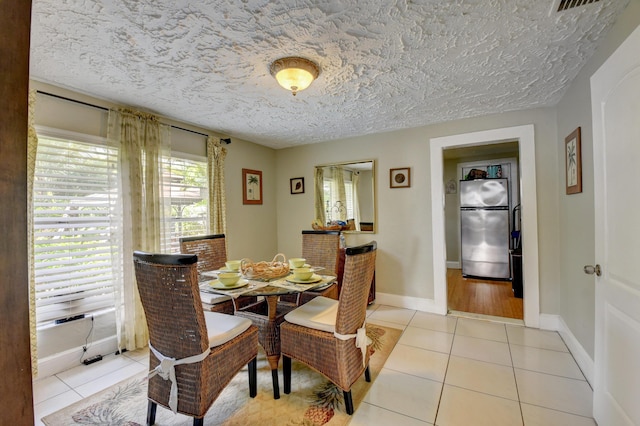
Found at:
(251, 229)
(451, 211)
(577, 290)
(404, 265)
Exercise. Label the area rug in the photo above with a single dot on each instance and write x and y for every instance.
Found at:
(313, 400)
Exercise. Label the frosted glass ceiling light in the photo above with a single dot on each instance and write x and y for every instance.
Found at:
(294, 73)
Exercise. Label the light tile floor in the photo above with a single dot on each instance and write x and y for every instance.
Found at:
(445, 371)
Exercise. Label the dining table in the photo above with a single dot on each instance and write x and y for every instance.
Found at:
(267, 313)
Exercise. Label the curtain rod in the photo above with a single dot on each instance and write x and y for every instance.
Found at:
(226, 140)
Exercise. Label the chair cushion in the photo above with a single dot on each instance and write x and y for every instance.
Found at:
(212, 298)
(319, 313)
(222, 327)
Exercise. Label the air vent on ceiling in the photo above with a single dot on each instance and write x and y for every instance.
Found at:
(560, 5)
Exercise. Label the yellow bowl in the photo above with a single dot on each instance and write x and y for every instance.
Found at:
(228, 278)
(232, 265)
(302, 273)
(297, 262)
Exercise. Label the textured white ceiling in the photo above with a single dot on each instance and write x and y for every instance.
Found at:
(384, 65)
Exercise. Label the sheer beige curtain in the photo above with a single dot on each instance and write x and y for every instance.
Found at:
(355, 185)
(340, 204)
(216, 154)
(318, 179)
(32, 149)
(143, 142)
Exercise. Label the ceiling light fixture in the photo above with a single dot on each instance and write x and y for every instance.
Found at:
(294, 73)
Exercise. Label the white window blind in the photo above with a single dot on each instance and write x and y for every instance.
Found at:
(185, 183)
(72, 228)
(348, 187)
(331, 198)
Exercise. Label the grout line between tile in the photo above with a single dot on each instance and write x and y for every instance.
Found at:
(515, 380)
(446, 370)
(393, 411)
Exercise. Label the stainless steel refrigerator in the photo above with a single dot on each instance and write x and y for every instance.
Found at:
(484, 222)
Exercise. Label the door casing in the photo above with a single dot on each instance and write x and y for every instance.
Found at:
(526, 142)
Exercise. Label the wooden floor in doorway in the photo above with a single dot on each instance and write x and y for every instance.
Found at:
(484, 297)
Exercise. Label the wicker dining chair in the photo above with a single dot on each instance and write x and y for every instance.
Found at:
(319, 248)
(180, 330)
(212, 255)
(211, 250)
(328, 335)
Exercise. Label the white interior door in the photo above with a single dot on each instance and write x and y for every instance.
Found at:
(615, 97)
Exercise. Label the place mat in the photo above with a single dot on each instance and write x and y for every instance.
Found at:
(285, 283)
(253, 285)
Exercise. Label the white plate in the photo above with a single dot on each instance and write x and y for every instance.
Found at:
(314, 279)
(219, 286)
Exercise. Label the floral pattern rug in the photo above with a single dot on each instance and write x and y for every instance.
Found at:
(313, 401)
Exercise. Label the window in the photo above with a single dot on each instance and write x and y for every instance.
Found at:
(185, 182)
(333, 208)
(77, 227)
(73, 194)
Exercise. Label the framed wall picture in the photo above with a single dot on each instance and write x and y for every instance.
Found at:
(573, 162)
(450, 187)
(400, 178)
(251, 186)
(297, 185)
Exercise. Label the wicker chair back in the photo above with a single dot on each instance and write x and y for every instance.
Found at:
(322, 248)
(168, 287)
(359, 266)
(210, 249)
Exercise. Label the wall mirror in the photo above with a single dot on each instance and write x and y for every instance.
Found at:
(345, 195)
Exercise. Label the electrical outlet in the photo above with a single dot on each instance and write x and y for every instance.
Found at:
(92, 359)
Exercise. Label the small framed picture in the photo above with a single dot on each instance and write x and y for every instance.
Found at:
(251, 186)
(400, 178)
(297, 185)
(450, 187)
(573, 162)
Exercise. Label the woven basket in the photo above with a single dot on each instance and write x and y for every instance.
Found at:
(265, 271)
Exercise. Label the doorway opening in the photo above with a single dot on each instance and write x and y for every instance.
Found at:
(481, 296)
(482, 230)
(524, 136)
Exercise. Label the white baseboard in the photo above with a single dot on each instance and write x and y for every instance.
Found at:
(584, 361)
(579, 354)
(60, 362)
(408, 302)
(453, 265)
(547, 322)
